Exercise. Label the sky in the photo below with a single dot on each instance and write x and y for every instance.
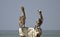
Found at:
(10, 12)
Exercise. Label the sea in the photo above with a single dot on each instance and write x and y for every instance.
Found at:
(15, 33)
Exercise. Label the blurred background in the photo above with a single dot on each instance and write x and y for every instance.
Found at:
(10, 12)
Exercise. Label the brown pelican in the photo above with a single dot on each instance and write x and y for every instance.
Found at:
(40, 20)
(22, 18)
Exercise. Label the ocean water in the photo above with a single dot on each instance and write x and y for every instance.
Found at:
(15, 33)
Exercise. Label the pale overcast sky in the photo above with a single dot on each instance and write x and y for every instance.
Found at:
(10, 12)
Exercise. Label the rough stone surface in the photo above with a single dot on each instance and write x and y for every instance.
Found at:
(29, 32)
